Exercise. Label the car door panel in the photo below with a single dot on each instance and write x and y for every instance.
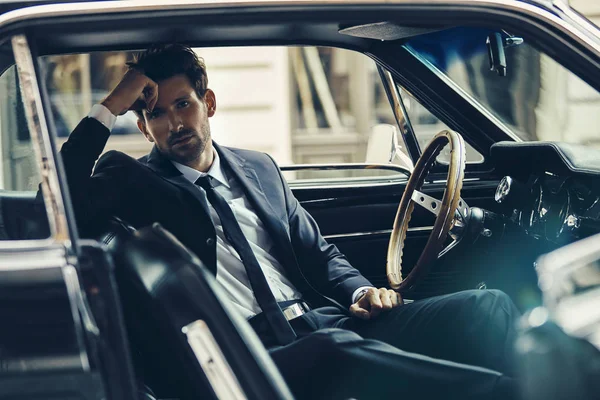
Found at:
(359, 222)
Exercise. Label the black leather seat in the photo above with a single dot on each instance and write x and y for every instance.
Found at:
(115, 234)
(164, 288)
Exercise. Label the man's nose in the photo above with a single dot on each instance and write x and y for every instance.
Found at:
(175, 123)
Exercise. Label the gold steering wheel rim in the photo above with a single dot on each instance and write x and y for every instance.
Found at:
(446, 213)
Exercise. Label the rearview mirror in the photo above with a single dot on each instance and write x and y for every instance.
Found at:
(496, 44)
(496, 54)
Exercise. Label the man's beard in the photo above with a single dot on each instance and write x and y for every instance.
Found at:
(191, 151)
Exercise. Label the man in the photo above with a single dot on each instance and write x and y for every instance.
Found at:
(234, 210)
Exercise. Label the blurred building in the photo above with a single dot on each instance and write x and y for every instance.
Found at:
(583, 104)
(302, 105)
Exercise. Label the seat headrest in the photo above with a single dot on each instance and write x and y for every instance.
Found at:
(115, 232)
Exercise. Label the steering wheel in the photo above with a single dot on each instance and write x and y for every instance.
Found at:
(451, 212)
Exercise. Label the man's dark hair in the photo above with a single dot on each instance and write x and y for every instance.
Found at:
(165, 61)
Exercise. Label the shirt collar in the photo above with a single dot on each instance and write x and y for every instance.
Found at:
(215, 171)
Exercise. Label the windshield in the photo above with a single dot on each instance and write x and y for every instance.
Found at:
(525, 89)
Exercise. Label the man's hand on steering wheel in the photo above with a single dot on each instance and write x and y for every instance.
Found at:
(375, 301)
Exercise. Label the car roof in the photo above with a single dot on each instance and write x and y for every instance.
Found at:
(14, 11)
(71, 27)
(9, 5)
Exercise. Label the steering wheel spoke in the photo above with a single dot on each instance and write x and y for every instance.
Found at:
(429, 203)
(449, 247)
(463, 209)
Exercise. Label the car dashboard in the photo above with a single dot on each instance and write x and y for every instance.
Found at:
(556, 208)
(550, 190)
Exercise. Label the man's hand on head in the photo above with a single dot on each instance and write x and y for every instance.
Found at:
(374, 302)
(135, 92)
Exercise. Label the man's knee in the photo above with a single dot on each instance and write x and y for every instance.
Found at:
(484, 301)
(334, 338)
(319, 349)
(497, 300)
(321, 343)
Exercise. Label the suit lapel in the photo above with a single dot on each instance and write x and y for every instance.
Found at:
(250, 182)
(165, 168)
(194, 228)
(248, 179)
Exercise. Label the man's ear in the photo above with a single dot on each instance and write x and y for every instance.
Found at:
(142, 127)
(211, 102)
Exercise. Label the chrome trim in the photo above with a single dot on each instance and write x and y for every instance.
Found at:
(108, 7)
(87, 318)
(328, 183)
(212, 361)
(22, 245)
(319, 201)
(464, 180)
(74, 291)
(23, 258)
(463, 210)
(345, 166)
(420, 229)
(400, 113)
(375, 233)
(583, 22)
(503, 189)
(426, 201)
(352, 181)
(297, 185)
(457, 230)
(36, 122)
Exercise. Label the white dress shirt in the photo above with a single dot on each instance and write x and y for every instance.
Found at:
(231, 273)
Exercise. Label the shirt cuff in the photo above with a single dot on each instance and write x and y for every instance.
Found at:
(103, 115)
(357, 292)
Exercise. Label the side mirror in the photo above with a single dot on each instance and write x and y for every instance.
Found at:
(383, 147)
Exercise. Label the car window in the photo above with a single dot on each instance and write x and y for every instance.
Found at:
(21, 216)
(426, 126)
(302, 105)
(531, 94)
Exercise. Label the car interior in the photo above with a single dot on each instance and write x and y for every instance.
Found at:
(141, 286)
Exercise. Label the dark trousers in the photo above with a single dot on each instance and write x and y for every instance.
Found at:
(457, 346)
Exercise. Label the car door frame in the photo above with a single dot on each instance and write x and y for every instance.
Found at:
(580, 53)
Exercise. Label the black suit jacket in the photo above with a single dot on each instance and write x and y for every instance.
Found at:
(152, 190)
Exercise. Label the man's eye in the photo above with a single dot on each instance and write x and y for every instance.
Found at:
(182, 104)
(154, 114)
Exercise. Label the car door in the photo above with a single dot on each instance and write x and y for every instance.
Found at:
(355, 212)
(50, 338)
(358, 216)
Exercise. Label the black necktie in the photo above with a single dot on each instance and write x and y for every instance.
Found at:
(279, 324)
